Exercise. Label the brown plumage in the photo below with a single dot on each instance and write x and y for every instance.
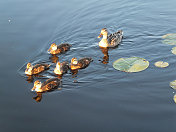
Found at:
(111, 40)
(59, 49)
(48, 85)
(81, 63)
(38, 68)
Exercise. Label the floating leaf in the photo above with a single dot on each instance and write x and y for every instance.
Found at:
(132, 64)
(174, 98)
(173, 84)
(169, 39)
(161, 64)
(169, 36)
(173, 50)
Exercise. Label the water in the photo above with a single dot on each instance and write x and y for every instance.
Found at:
(103, 99)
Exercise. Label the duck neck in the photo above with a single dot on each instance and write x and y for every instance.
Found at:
(105, 36)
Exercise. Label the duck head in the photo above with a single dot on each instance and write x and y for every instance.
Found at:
(74, 61)
(104, 33)
(37, 86)
(28, 70)
(53, 47)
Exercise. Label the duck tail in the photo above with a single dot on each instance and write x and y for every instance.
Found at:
(90, 59)
(120, 32)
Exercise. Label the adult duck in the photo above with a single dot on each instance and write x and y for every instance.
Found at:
(111, 40)
(48, 85)
(61, 68)
(38, 68)
(81, 63)
(59, 49)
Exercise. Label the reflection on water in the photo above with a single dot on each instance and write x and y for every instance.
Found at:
(54, 58)
(74, 73)
(30, 78)
(38, 98)
(106, 55)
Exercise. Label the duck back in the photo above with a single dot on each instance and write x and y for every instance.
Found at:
(38, 68)
(63, 47)
(115, 38)
(50, 84)
(84, 62)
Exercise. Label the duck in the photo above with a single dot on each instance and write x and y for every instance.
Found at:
(48, 85)
(38, 68)
(61, 68)
(111, 40)
(81, 63)
(59, 49)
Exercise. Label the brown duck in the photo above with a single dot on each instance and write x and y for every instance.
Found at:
(81, 63)
(38, 68)
(48, 85)
(61, 68)
(111, 40)
(59, 49)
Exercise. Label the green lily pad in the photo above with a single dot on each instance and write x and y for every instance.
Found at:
(174, 98)
(173, 50)
(169, 39)
(173, 84)
(161, 64)
(132, 64)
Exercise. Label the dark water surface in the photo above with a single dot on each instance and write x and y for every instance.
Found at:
(103, 100)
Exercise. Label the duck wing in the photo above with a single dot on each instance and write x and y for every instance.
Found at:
(64, 47)
(50, 84)
(115, 38)
(84, 62)
(64, 67)
(40, 68)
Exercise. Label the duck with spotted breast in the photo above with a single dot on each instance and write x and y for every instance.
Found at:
(38, 68)
(48, 85)
(81, 63)
(111, 40)
(61, 68)
(59, 49)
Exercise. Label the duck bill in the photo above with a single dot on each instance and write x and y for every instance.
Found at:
(100, 35)
(33, 89)
(49, 49)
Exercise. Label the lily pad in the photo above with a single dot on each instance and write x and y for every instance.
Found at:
(132, 64)
(174, 98)
(173, 84)
(161, 64)
(173, 50)
(169, 39)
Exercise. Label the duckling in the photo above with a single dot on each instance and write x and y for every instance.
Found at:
(111, 40)
(81, 63)
(61, 68)
(58, 49)
(38, 68)
(48, 85)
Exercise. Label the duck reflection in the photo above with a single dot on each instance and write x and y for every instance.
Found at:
(74, 73)
(106, 55)
(30, 78)
(38, 98)
(54, 58)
